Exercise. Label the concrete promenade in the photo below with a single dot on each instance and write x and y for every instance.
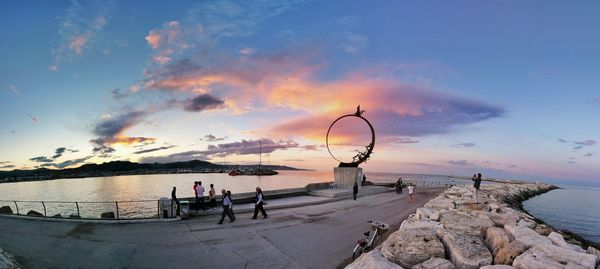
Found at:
(313, 236)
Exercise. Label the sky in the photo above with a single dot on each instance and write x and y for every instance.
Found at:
(507, 88)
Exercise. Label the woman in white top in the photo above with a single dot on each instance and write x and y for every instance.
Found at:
(411, 190)
(226, 204)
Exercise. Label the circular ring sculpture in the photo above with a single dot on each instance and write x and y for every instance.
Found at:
(361, 156)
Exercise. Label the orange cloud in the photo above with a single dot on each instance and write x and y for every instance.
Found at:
(77, 43)
(166, 42)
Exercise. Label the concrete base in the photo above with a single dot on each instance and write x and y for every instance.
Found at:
(346, 176)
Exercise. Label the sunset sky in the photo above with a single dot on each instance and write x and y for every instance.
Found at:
(506, 88)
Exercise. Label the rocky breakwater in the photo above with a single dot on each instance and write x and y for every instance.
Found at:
(452, 231)
(7, 261)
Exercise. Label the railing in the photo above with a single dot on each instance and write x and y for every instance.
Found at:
(140, 209)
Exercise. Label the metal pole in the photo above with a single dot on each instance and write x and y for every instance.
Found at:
(77, 205)
(44, 208)
(16, 207)
(117, 204)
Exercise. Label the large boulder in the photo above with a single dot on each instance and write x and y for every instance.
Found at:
(440, 203)
(508, 253)
(7, 261)
(435, 263)
(501, 219)
(543, 229)
(501, 266)
(408, 247)
(372, 259)
(558, 240)
(107, 215)
(527, 223)
(527, 236)
(465, 251)
(497, 238)
(466, 223)
(34, 213)
(548, 256)
(413, 223)
(6, 210)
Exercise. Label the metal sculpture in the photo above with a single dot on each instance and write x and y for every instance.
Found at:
(361, 156)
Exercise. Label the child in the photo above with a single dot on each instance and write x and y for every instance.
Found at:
(411, 190)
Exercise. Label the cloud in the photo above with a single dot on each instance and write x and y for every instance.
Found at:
(595, 101)
(167, 42)
(459, 162)
(110, 131)
(405, 140)
(79, 28)
(350, 42)
(7, 166)
(588, 154)
(212, 138)
(562, 140)
(59, 152)
(247, 147)
(153, 149)
(15, 90)
(202, 102)
(464, 145)
(41, 159)
(33, 119)
(577, 147)
(67, 163)
(585, 142)
(177, 157)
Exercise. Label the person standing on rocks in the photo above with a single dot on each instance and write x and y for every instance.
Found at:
(259, 204)
(411, 190)
(399, 186)
(212, 197)
(354, 191)
(226, 205)
(476, 184)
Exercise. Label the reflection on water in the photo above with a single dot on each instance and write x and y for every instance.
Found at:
(153, 187)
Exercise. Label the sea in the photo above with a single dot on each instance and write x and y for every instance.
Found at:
(574, 208)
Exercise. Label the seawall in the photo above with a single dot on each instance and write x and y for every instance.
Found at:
(452, 231)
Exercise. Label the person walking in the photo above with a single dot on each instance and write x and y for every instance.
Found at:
(196, 202)
(231, 204)
(399, 186)
(175, 200)
(200, 196)
(364, 181)
(476, 185)
(226, 205)
(212, 197)
(354, 191)
(259, 204)
(411, 190)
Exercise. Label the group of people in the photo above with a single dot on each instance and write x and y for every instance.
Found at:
(400, 185)
(227, 201)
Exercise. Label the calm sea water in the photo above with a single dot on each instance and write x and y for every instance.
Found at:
(153, 187)
(574, 208)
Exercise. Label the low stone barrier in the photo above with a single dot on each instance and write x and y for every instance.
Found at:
(452, 231)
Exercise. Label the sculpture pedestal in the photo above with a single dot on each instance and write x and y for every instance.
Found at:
(346, 176)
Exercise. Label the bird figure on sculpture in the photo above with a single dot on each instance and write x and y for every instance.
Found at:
(358, 111)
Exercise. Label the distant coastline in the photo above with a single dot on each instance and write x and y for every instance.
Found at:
(122, 168)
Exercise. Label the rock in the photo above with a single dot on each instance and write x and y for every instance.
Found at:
(508, 253)
(426, 213)
(7, 261)
(107, 215)
(470, 207)
(593, 251)
(466, 223)
(497, 238)
(414, 223)
(527, 236)
(501, 219)
(435, 263)
(502, 266)
(547, 256)
(543, 229)
(440, 203)
(527, 223)
(372, 259)
(6, 210)
(465, 251)
(34, 213)
(409, 247)
(558, 240)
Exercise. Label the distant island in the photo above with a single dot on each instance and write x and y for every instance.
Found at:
(119, 168)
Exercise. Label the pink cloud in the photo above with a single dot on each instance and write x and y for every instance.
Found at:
(167, 41)
(77, 43)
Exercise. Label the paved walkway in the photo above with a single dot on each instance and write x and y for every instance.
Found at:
(315, 236)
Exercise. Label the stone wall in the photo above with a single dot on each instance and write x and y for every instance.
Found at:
(452, 231)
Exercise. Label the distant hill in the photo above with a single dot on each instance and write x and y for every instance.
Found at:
(127, 168)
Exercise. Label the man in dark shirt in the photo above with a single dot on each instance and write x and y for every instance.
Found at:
(476, 184)
(174, 199)
(354, 190)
